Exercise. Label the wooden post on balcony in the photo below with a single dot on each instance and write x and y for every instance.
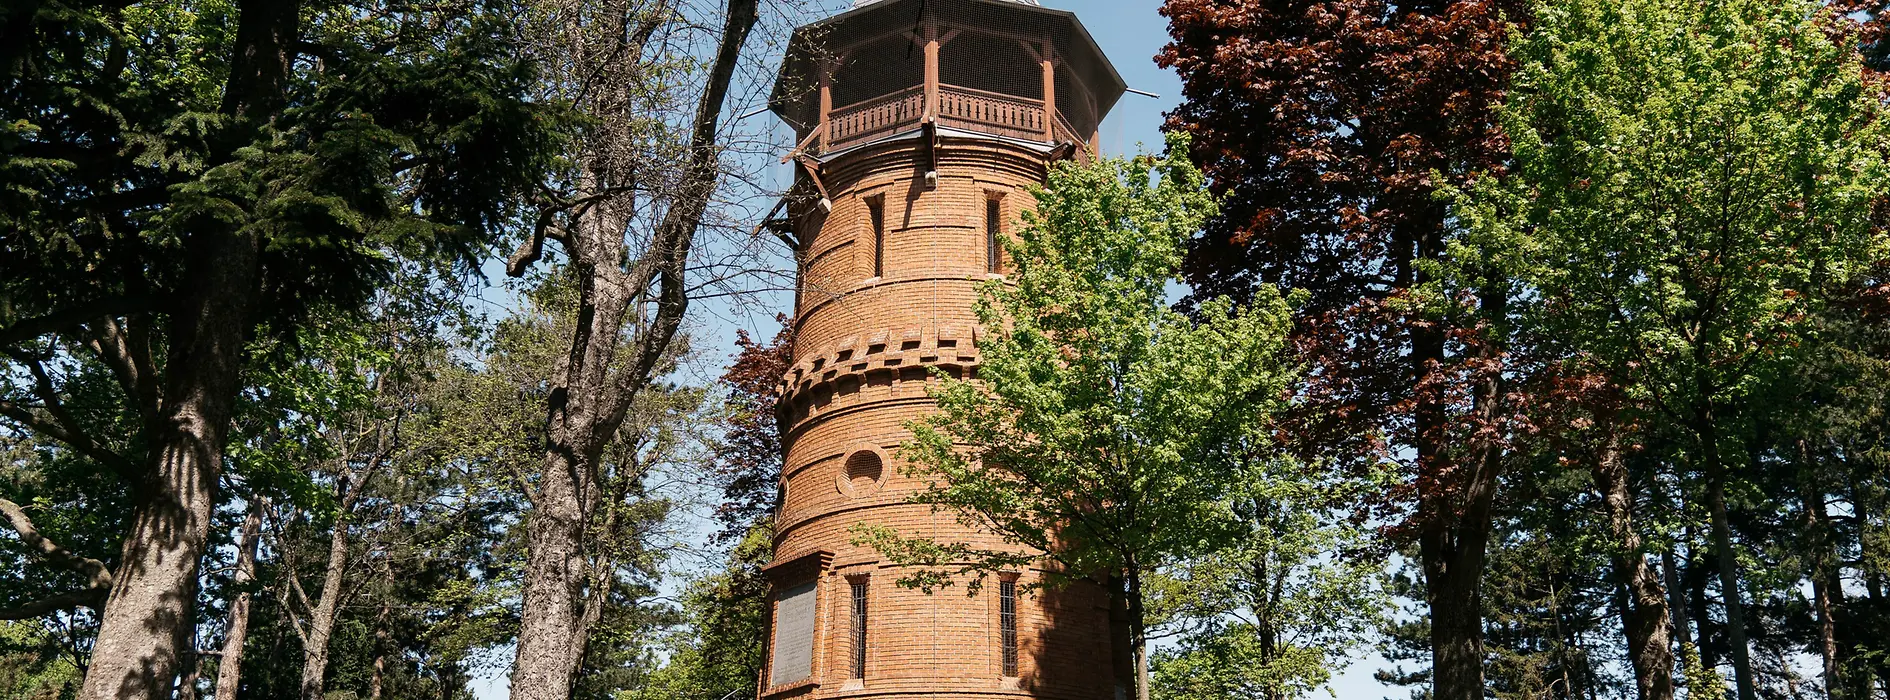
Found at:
(931, 72)
(1049, 92)
(826, 103)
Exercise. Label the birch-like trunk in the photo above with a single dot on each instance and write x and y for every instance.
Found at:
(236, 634)
(321, 619)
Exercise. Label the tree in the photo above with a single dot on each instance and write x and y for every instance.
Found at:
(184, 176)
(1328, 126)
(720, 648)
(1105, 432)
(1693, 183)
(1273, 615)
(747, 458)
(614, 62)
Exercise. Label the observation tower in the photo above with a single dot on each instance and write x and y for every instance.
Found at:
(919, 124)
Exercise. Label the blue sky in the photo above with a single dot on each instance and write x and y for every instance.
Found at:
(1131, 33)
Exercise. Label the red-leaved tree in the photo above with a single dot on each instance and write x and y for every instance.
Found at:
(748, 457)
(1326, 125)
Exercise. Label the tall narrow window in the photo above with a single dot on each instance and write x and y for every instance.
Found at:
(876, 215)
(1007, 625)
(993, 230)
(859, 629)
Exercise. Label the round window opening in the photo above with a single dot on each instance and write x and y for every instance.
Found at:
(864, 469)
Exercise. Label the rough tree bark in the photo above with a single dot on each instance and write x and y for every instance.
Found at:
(592, 392)
(1455, 505)
(152, 607)
(230, 664)
(149, 616)
(1646, 623)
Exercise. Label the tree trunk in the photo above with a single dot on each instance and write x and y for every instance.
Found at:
(378, 681)
(1645, 618)
(1121, 638)
(1138, 633)
(1728, 558)
(152, 608)
(321, 622)
(236, 631)
(1456, 516)
(1676, 598)
(554, 574)
(593, 391)
(1696, 573)
(1827, 589)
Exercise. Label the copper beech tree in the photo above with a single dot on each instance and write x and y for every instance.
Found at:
(1325, 125)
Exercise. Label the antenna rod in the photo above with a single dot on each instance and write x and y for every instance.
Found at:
(1143, 93)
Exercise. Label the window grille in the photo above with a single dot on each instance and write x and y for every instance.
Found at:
(859, 630)
(993, 230)
(1007, 625)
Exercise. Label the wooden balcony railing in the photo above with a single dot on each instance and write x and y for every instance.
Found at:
(880, 116)
(959, 108)
(990, 112)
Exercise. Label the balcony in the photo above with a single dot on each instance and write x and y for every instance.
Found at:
(958, 108)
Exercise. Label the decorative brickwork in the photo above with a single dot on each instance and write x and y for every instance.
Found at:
(896, 238)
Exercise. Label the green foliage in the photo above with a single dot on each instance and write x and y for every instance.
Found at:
(412, 137)
(33, 666)
(1687, 234)
(718, 650)
(1703, 683)
(1275, 614)
(1692, 182)
(1105, 431)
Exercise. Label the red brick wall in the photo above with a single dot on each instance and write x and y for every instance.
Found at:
(862, 347)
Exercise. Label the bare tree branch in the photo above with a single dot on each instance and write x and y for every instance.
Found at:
(88, 598)
(54, 422)
(69, 318)
(96, 573)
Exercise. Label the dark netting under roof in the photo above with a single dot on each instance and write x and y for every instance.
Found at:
(1087, 85)
(989, 62)
(878, 68)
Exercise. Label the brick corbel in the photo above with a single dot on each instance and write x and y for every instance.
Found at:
(798, 569)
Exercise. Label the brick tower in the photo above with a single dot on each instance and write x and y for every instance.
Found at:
(920, 124)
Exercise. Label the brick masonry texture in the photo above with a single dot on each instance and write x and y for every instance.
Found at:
(864, 345)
